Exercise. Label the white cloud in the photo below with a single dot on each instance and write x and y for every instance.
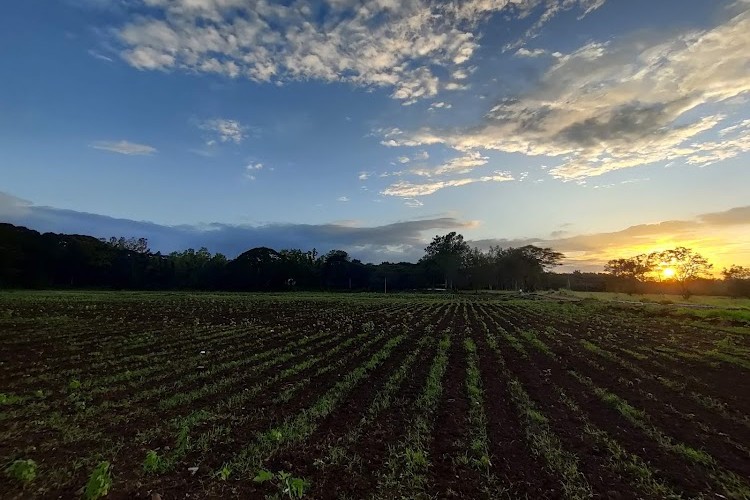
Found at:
(609, 106)
(406, 189)
(225, 130)
(363, 176)
(740, 126)
(440, 105)
(460, 74)
(385, 43)
(524, 52)
(100, 56)
(251, 169)
(343, 199)
(124, 147)
(462, 165)
(455, 86)
(413, 203)
(459, 165)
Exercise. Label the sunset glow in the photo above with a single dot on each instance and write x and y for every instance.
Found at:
(668, 273)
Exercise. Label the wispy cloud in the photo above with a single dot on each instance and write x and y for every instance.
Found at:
(620, 104)
(98, 55)
(462, 164)
(251, 170)
(407, 189)
(398, 45)
(524, 52)
(225, 130)
(343, 199)
(124, 147)
(552, 9)
(440, 105)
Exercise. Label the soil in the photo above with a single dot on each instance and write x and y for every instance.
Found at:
(47, 341)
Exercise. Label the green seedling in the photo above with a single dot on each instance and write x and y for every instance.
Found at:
(8, 399)
(23, 471)
(293, 487)
(276, 435)
(288, 485)
(99, 482)
(153, 462)
(225, 472)
(263, 476)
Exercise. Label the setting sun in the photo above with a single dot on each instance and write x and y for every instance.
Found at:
(668, 273)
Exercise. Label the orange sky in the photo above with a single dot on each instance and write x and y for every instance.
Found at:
(722, 237)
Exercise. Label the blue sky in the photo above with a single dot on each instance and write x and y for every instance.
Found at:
(586, 125)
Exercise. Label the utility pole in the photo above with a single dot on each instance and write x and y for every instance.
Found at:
(385, 285)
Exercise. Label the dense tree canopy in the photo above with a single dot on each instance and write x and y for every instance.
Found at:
(31, 259)
(448, 254)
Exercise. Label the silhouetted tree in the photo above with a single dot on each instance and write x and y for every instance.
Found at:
(30, 259)
(738, 280)
(448, 253)
(257, 269)
(138, 245)
(687, 264)
(631, 271)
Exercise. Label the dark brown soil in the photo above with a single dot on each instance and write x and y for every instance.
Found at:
(46, 342)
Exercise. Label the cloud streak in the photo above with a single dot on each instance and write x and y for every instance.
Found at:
(124, 147)
(406, 189)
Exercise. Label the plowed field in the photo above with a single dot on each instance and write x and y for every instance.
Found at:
(347, 396)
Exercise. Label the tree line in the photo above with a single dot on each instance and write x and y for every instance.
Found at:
(29, 259)
(680, 266)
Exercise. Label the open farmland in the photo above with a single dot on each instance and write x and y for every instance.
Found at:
(347, 396)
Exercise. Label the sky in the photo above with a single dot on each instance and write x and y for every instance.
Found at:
(600, 128)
